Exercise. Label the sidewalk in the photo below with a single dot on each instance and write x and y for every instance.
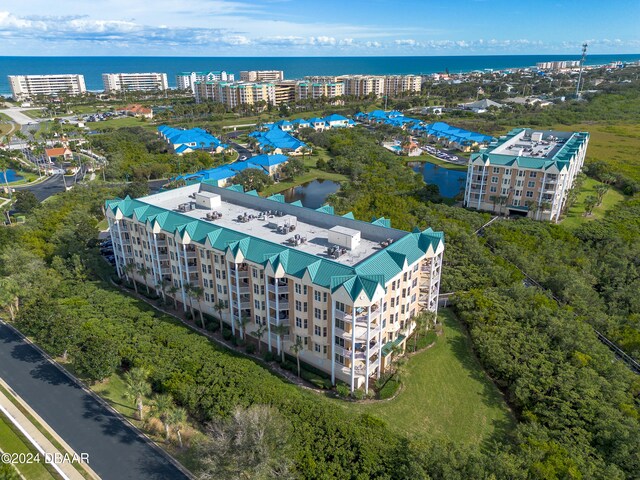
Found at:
(42, 444)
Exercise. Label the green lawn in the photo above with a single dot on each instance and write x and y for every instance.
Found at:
(436, 161)
(11, 441)
(313, 173)
(446, 394)
(121, 122)
(575, 217)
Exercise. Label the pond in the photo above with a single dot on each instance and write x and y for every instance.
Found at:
(312, 194)
(450, 182)
(12, 176)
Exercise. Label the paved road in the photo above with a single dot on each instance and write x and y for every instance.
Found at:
(116, 451)
(242, 151)
(17, 116)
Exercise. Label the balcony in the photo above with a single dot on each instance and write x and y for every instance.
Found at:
(281, 288)
(241, 273)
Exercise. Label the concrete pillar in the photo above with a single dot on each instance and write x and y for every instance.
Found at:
(366, 380)
(333, 342)
(232, 316)
(266, 291)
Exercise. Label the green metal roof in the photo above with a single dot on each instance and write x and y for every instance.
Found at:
(388, 347)
(366, 276)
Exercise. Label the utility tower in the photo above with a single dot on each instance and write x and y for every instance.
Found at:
(584, 56)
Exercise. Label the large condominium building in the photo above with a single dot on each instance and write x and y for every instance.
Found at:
(116, 82)
(285, 92)
(346, 290)
(306, 90)
(526, 172)
(25, 86)
(379, 85)
(187, 80)
(232, 94)
(262, 75)
(558, 65)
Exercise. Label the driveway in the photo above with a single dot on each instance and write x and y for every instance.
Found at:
(17, 116)
(116, 450)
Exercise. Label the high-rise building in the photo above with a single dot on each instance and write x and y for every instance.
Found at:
(379, 85)
(285, 92)
(347, 291)
(526, 172)
(187, 80)
(116, 82)
(317, 90)
(558, 65)
(232, 94)
(25, 86)
(262, 75)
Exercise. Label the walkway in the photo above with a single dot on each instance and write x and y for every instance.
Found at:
(116, 449)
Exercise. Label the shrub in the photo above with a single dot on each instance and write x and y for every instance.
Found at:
(213, 326)
(287, 365)
(250, 348)
(358, 394)
(342, 390)
(269, 357)
(226, 334)
(389, 390)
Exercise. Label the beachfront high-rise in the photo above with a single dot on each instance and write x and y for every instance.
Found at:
(187, 80)
(526, 172)
(116, 82)
(233, 94)
(346, 290)
(261, 75)
(378, 85)
(26, 86)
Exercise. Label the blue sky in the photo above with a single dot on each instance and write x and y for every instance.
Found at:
(320, 27)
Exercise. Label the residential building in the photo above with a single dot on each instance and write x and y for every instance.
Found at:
(60, 154)
(558, 65)
(378, 85)
(316, 90)
(285, 92)
(117, 82)
(137, 110)
(480, 106)
(451, 136)
(185, 141)
(187, 80)
(26, 86)
(236, 93)
(526, 172)
(261, 75)
(277, 140)
(346, 290)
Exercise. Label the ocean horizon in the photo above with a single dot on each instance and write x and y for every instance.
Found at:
(92, 67)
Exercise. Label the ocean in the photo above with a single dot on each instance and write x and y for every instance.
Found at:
(294, 67)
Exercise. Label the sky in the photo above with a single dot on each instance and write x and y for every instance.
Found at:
(317, 28)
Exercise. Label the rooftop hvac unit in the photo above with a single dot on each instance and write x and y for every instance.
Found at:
(208, 200)
(344, 237)
(536, 136)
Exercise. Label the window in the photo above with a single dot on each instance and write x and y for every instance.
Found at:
(494, 179)
(521, 173)
(316, 296)
(531, 184)
(324, 315)
(496, 169)
(517, 193)
(258, 320)
(339, 359)
(317, 330)
(324, 332)
(393, 302)
(324, 349)
(339, 341)
(325, 297)
(533, 174)
(341, 307)
(519, 183)
(254, 272)
(493, 189)
(505, 181)
(304, 307)
(316, 347)
(304, 290)
(298, 322)
(256, 304)
(207, 297)
(516, 202)
(529, 194)
(317, 313)
(298, 288)
(339, 324)
(298, 305)
(505, 191)
(507, 171)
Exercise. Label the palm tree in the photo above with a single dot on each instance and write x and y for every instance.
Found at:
(259, 333)
(280, 331)
(198, 293)
(162, 286)
(177, 418)
(218, 307)
(162, 406)
(137, 387)
(143, 272)
(188, 290)
(296, 348)
(601, 191)
(242, 323)
(4, 166)
(128, 270)
(172, 293)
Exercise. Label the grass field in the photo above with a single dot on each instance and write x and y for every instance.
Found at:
(616, 144)
(121, 122)
(13, 442)
(446, 394)
(313, 173)
(436, 161)
(575, 215)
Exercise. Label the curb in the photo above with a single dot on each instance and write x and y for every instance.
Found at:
(103, 402)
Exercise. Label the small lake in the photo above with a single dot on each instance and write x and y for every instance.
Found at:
(312, 194)
(12, 176)
(450, 182)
